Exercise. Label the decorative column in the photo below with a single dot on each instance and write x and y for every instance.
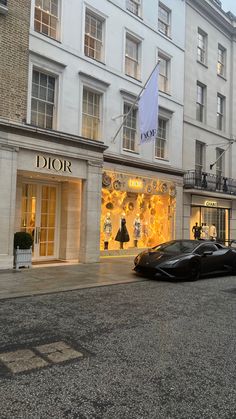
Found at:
(8, 176)
(91, 213)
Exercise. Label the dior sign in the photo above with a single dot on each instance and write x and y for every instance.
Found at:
(50, 163)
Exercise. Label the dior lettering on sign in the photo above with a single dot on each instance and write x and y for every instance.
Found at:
(59, 165)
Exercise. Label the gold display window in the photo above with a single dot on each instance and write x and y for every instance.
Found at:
(149, 214)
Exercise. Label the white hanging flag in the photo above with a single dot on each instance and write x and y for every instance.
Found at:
(148, 109)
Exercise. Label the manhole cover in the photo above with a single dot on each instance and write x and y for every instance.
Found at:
(37, 356)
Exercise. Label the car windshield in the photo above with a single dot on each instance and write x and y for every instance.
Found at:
(177, 246)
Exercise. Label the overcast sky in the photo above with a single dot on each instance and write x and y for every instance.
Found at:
(229, 5)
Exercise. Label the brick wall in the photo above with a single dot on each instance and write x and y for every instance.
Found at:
(14, 58)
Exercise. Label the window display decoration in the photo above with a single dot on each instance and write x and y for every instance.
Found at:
(164, 187)
(172, 191)
(149, 216)
(106, 180)
(131, 183)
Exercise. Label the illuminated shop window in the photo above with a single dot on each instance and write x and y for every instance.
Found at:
(149, 200)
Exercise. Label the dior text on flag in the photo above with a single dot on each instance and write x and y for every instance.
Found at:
(148, 109)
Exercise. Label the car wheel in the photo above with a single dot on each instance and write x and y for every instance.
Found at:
(194, 272)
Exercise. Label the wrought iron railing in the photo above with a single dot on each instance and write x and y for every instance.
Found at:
(3, 2)
(209, 182)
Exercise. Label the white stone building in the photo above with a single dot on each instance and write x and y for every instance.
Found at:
(88, 61)
(209, 125)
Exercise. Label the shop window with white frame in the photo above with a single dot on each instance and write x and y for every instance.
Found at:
(93, 38)
(220, 111)
(91, 114)
(221, 60)
(129, 128)
(132, 54)
(133, 6)
(46, 17)
(42, 99)
(201, 102)
(201, 46)
(164, 17)
(161, 139)
(163, 73)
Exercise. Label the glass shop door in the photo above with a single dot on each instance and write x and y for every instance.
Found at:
(39, 218)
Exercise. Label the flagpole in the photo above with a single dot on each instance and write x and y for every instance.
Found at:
(133, 105)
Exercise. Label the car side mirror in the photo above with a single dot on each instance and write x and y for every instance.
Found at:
(208, 253)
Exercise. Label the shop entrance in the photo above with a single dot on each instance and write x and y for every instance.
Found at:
(39, 218)
(209, 216)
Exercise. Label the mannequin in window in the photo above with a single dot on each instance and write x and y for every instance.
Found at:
(212, 232)
(205, 231)
(122, 235)
(137, 229)
(196, 231)
(107, 229)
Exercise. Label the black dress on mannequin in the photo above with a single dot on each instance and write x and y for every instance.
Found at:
(122, 235)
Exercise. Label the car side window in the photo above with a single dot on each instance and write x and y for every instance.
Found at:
(206, 248)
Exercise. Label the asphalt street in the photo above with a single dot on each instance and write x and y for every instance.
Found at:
(151, 349)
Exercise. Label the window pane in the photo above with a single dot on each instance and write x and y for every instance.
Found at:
(42, 99)
(46, 17)
(93, 37)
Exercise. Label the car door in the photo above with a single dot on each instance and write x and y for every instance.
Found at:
(209, 262)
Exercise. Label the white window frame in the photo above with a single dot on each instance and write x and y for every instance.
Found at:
(165, 77)
(220, 162)
(201, 104)
(101, 19)
(221, 63)
(86, 81)
(200, 163)
(54, 69)
(130, 59)
(202, 49)
(125, 126)
(166, 24)
(93, 117)
(58, 26)
(220, 124)
(163, 140)
(45, 101)
(135, 4)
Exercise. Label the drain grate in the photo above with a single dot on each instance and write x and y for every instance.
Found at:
(37, 356)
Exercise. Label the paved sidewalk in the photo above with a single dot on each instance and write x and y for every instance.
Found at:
(44, 280)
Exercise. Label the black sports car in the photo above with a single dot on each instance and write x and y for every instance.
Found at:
(186, 259)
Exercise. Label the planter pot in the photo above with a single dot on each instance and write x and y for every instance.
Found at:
(22, 258)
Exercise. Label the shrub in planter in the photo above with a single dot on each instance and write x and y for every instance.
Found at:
(23, 240)
(23, 250)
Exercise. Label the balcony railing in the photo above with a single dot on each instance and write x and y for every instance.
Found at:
(3, 6)
(209, 182)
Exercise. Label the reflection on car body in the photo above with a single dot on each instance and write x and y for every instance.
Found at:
(186, 259)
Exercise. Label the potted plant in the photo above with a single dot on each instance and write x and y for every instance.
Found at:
(22, 249)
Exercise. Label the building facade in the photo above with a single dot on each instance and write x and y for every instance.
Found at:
(63, 166)
(209, 125)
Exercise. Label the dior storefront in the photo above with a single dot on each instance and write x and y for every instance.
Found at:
(138, 211)
(50, 186)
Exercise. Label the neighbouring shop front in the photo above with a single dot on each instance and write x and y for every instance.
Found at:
(147, 204)
(208, 212)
